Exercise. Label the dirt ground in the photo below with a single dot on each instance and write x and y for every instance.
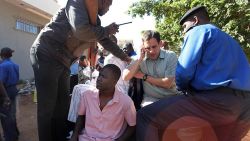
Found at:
(26, 118)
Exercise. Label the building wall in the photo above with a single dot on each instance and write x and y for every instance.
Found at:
(18, 40)
(50, 6)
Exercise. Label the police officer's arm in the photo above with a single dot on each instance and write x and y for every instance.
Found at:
(192, 51)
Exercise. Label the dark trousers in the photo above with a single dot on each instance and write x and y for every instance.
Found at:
(225, 112)
(52, 85)
(73, 82)
(135, 91)
(8, 121)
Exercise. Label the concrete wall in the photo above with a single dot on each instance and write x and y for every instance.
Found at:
(49, 6)
(18, 40)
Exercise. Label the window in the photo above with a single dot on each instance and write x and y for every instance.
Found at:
(27, 27)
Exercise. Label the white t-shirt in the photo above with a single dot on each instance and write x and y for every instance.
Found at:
(122, 85)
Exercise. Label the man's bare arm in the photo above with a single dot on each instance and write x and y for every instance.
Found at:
(127, 134)
(133, 68)
(4, 99)
(166, 82)
(80, 124)
(129, 72)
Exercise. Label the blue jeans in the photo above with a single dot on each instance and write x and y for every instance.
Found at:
(8, 121)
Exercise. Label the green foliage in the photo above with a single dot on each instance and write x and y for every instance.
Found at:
(232, 16)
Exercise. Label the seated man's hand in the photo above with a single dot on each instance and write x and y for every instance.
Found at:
(139, 75)
(143, 53)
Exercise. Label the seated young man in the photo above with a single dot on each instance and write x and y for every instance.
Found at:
(105, 114)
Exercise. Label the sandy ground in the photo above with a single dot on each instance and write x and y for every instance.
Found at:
(26, 118)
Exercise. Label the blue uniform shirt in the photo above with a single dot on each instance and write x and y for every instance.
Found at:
(132, 53)
(210, 58)
(74, 68)
(9, 73)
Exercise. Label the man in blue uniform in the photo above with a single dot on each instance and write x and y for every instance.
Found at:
(9, 76)
(213, 74)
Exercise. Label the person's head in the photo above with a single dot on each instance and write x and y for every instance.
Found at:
(108, 77)
(113, 38)
(193, 17)
(103, 6)
(152, 43)
(101, 54)
(165, 45)
(6, 53)
(128, 48)
(83, 62)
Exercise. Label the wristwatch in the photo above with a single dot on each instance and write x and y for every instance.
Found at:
(145, 76)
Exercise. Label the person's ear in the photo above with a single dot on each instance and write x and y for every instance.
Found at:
(88, 63)
(160, 43)
(196, 20)
(143, 43)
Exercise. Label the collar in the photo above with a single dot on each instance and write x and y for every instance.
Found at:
(162, 54)
(82, 68)
(5, 60)
(116, 96)
(133, 53)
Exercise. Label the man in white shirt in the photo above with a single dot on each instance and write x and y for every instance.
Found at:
(122, 85)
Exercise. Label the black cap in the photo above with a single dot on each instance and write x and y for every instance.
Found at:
(190, 12)
(128, 44)
(6, 50)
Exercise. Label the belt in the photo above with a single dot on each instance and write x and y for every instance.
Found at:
(9, 86)
(57, 50)
(227, 90)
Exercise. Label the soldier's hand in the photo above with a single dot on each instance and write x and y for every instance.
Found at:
(112, 28)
